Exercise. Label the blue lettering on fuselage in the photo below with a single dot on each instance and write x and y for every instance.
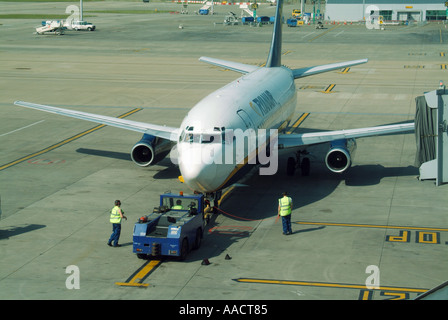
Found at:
(265, 102)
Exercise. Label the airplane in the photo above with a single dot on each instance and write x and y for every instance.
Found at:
(262, 100)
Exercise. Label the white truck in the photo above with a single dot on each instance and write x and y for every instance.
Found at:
(82, 25)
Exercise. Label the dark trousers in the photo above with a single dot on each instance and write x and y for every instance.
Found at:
(286, 221)
(116, 230)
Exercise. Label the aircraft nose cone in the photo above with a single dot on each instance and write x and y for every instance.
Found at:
(199, 177)
(197, 174)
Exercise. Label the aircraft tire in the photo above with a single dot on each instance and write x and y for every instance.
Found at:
(198, 239)
(290, 166)
(306, 167)
(184, 249)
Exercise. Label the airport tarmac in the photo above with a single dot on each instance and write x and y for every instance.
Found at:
(59, 176)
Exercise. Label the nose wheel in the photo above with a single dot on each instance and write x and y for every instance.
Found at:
(216, 196)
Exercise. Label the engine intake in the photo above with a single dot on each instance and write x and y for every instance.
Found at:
(150, 150)
(340, 156)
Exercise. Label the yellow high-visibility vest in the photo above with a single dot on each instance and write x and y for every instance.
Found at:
(285, 206)
(115, 216)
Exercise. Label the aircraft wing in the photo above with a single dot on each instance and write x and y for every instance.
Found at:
(303, 139)
(164, 132)
(309, 71)
(234, 66)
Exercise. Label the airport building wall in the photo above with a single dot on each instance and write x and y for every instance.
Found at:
(395, 10)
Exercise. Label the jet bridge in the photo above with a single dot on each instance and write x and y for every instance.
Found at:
(431, 133)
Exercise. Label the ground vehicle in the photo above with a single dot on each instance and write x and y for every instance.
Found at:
(174, 227)
(296, 13)
(291, 22)
(51, 27)
(82, 25)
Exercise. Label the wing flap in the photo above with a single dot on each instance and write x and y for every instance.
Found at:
(298, 140)
(234, 66)
(164, 132)
(309, 71)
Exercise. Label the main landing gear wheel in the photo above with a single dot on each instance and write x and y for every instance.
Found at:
(290, 166)
(305, 165)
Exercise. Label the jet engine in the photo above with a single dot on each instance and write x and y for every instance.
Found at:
(150, 150)
(340, 156)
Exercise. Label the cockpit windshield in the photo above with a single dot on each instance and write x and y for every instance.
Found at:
(216, 136)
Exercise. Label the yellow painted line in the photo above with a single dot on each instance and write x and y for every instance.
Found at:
(345, 71)
(443, 66)
(136, 280)
(327, 285)
(61, 143)
(324, 33)
(442, 54)
(298, 123)
(329, 88)
(366, 295)
(370, 226)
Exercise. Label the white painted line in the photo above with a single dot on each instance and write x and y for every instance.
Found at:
(30, 125)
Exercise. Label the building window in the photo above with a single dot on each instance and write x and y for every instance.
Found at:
(435, 14)
(387, 14)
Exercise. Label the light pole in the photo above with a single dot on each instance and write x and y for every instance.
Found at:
(80, 10)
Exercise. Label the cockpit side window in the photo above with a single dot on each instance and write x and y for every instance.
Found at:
(182, 136)
(192, 137)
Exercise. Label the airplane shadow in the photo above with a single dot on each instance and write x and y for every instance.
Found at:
(170, 172)
(367, 175)
(14, 231)
(105, 154)
(259, 200)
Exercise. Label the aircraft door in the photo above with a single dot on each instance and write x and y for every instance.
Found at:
(246, 119)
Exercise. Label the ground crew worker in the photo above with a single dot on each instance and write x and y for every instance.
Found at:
(116, 215)
(207, 211)
(178, 205)
(284, 210)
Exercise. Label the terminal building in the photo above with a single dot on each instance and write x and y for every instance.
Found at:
(392, 10)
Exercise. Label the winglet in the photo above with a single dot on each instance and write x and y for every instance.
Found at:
(275, 53)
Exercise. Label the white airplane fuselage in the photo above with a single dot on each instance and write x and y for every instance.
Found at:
(208, 146)
(263, 99)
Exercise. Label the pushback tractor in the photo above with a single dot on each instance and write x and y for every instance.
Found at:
(172, 229)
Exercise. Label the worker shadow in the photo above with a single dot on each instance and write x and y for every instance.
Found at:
(15, 231)
(304, 230)
(127, 244)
